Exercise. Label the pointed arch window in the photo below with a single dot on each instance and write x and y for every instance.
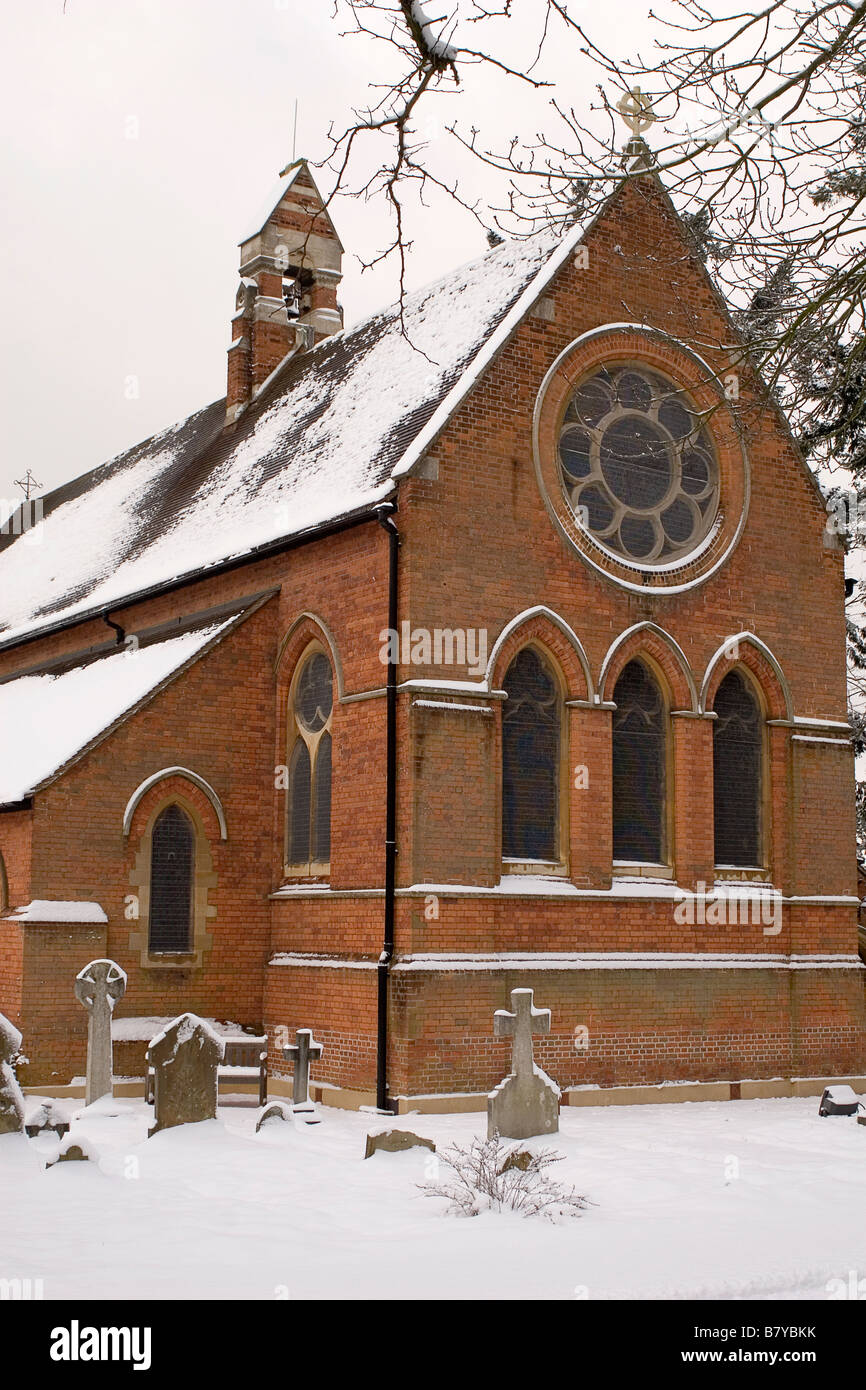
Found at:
(172, 874)
(531, 740)
(308, 806)
(639, 767)
(738, 749)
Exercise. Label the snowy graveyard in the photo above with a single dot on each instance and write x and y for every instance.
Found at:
(737, 1200)
(196, 1199)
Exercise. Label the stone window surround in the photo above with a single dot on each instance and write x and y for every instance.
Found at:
(656, 350)
(204, 880)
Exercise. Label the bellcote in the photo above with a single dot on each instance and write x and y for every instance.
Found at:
(290, 267)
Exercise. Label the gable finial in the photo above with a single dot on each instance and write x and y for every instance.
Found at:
(636, 109)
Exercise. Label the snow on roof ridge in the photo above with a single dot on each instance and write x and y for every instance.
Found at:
(387, 311)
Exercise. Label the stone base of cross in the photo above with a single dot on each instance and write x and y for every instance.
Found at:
(527, 1101)
(301, 1053)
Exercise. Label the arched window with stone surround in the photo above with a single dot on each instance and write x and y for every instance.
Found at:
(172, 876)
(531, 742)
(308, 796)
(639, 767)
(738, 755)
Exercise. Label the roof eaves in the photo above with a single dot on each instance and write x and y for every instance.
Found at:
(231, 626)
(357, 516)
(157, 632)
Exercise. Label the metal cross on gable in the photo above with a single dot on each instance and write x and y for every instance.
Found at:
(302, 1052)
(520, 1026)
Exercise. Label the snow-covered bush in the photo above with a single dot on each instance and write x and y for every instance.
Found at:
(500, 1175)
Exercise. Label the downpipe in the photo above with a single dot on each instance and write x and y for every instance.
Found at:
(384, 515)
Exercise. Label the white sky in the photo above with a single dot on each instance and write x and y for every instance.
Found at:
(138, 138)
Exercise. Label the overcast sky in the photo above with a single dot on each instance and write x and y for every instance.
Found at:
(139, 137)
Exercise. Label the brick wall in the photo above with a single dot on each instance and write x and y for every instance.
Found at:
(479, 548)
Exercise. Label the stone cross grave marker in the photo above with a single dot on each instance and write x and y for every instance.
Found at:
(302, 1052)
(98, 987)
(11, 1099)
(527, 1101)
(185, 1057)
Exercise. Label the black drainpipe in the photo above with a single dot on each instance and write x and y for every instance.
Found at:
(384, 516)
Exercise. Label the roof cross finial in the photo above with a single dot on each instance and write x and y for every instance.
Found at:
(636, 110)
(27, 484)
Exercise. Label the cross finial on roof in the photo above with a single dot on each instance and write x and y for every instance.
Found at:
(636, 110)
(27, 484)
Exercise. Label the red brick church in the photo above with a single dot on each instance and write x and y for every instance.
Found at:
(501, 644)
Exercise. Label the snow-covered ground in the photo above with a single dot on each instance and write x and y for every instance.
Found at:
(748, 1199)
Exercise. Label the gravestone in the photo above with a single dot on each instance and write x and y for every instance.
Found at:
(839, 1100)
(98, 987)
(526, 1102)
(185, 1057)
(11, 1099)
(302, 1052)
(273, 1114)
(395, 1141)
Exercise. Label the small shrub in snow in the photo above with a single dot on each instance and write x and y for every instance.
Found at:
(498, 1175)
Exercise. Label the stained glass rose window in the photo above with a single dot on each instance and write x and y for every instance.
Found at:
(638, 465)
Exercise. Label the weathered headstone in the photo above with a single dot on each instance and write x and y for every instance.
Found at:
(302, 1052)
(273, 1114)
(394, 1141)
(185, 1057)
(527, 1101)
(11, 1099)
(98, 987)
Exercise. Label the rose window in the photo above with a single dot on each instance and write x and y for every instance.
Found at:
(638, 465)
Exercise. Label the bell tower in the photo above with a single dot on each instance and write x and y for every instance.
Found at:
(290, 267)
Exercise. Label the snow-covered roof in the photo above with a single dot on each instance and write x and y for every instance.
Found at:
(48, 718)
(326, 439)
